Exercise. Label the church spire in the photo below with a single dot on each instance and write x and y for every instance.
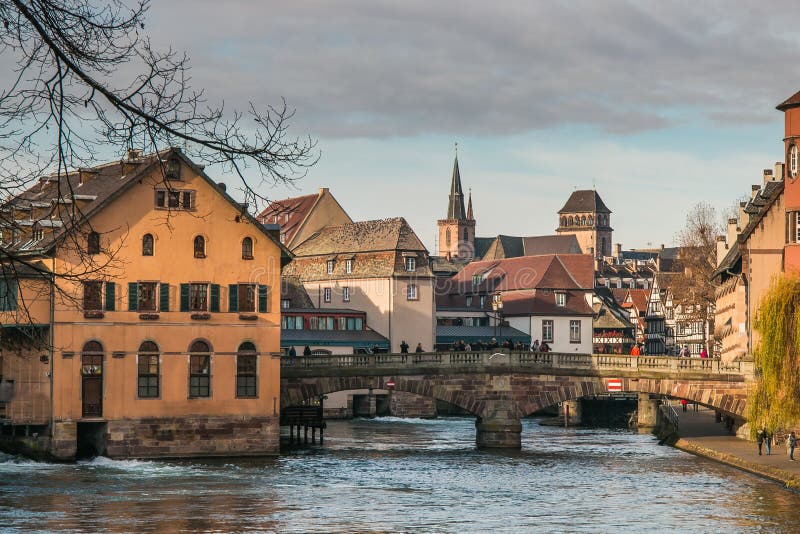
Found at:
(455, 207)
(470, 217)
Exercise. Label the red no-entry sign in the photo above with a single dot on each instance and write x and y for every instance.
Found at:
(389, 384)
(614, 384)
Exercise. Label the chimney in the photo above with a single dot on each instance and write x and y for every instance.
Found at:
(744, 218)
(84, 175)
(133, 157)
(754, 189)
(323, 190)
(778, 174)
(768, 176)
(722, 248)
(732, 230)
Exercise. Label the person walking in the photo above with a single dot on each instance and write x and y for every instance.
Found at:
(307, 351)
(535, 346)
(791, 443)
(419, 348)
(635, 350)
(768, 441)
(704, 353)
(404, 347)
(683, 404)
(760, 438)
(292, 355)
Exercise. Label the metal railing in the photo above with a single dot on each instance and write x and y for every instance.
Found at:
(523, 360)
(668, 411)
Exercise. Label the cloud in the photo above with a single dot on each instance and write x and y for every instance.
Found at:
(382, 69)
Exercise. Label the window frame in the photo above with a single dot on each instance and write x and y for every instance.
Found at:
(245, 292)
(199, 246)
(329, 266)
(346, 294)
(412, 292)
(548, 330)
(575, 331)
(348, 266)
(148, 243)
(93, 243)
(793, 160)
(149, 377)
(194, 291)
(247, 248)
(247, 377)
(410, 264)
(199, 381)
(155, 296)
(561, 299)
(326, 295)
(86, 284)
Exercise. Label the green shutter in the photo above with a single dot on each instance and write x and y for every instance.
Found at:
(133, 296)
(8, 294)
(110, 295)
(12, 295)
(163, 297)
(214, 298)
(184, 297)
(263, 299)
(233, 297)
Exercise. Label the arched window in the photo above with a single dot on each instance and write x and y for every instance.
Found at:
(563, 221)
(570, 221)
(149, 370)
(583, 220)
(199, 369)
(92, 359)
(447, 237)
(147, 245)
(93, 243)
(247, 248)
(199, 247)
(793, 161)
(590, 220)
(246, 371)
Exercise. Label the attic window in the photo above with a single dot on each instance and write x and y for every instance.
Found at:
(561, 299)
(476, 279)
(38, 233)
(173, 169)
(93, 243)
(330, 264)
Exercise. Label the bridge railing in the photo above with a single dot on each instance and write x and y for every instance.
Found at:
(544, 360)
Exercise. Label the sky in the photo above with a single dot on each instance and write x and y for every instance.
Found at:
(658, 105)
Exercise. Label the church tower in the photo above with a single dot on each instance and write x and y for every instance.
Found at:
(457, 230)
(587, 218)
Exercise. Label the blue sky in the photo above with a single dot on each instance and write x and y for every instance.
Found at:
(660, 104)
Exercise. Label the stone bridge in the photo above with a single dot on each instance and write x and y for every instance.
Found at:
(502, 388)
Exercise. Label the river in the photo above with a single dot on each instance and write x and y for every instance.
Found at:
(395, 475)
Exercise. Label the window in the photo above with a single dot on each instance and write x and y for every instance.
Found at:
(199, 247)
(93, 243)
(469, 302)
(348, 266)
(321, 323)
(350, 323)
(411, 292)
(482, 300)
(346, 294)
(286, 304)
(147, 296)
(198, 297)
(476, 279)
(175, 199)
(149, 370)
(793, 163)
(199, 369)
(247, 297)
(173, 170)
(92, 296)
(563, 221)
(291, 322)
(247, 248)
(411, 264)
(38, 233)
(326, 294)
(9, 289)
(246, 365)
(547, 330)
(574, 331)
(590, 220)
(330, 265)
(147, 245)
(447, 237)
(561, 299)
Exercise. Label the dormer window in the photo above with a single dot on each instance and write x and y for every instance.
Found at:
(476, 279)
(411, 264)
(348, 266)
(561, 299)
(38, 233)
(330, 264)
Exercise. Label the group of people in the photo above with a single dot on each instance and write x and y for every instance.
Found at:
(492, 344)
(404, 348)
(765, 439)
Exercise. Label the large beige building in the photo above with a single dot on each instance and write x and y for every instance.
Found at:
(379, 267)
(586, 216)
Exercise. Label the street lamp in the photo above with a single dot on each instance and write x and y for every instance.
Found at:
(497, 307)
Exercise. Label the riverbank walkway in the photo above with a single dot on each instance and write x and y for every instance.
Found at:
(700, 434)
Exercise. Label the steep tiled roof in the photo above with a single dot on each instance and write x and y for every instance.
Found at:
(583, 202)
(791, 102)
(289, 213)
(553, 271)
(292, 289)
(543, 302)
(639, 298)
(506, 246)
(609, 317)
(482, 245)
(363, 236)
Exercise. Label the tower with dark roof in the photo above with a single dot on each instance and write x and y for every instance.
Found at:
(586, 216)
(457, 230)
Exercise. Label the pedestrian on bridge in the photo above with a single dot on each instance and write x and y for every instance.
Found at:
(791, 443)
(404, 347)
(535, 346)
(292, 355)
(635, 350)
(419, 348)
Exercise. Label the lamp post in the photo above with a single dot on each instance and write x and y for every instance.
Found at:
(497, 307)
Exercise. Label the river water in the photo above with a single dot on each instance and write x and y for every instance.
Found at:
(392, 475)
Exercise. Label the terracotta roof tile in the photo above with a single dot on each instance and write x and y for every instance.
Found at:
(289, 213)
(362, 236)
(584, 201)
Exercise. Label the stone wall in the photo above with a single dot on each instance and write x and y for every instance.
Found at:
(403, 404)
(192, 436)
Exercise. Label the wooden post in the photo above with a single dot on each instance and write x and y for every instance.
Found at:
(313, 435)
(566, 415)
(305, 434)
(320, 434)
(291, 432)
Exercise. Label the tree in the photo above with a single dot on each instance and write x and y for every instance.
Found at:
(85, 76)
(775, 399)
(693, 287)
